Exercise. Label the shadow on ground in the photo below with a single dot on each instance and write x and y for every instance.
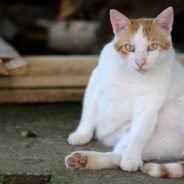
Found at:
(44, 154)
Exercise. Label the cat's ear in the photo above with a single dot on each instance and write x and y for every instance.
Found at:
(165, 19)
(118, 21)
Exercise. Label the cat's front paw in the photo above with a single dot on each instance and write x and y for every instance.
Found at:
(130, 161)
(76, 161)
(76, 138)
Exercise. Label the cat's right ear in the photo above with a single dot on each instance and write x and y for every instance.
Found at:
(118, 21)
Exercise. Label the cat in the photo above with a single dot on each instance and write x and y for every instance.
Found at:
(134, 101)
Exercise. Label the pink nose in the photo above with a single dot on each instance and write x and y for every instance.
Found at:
(140, 63)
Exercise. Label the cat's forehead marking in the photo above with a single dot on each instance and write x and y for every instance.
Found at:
(151, 32)
(141, 32)
(142, 27)
(139, 38)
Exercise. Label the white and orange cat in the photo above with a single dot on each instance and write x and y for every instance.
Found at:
(134, 101)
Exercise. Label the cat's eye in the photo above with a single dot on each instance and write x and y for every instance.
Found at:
(153, 47)
(129, 47)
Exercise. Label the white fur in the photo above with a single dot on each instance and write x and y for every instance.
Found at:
(140, 114)
(98, 160)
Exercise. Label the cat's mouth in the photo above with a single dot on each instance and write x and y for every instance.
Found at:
(141, 70)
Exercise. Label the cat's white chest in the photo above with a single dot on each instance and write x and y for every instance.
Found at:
(119, 97)
(115, 101)
(114, 108)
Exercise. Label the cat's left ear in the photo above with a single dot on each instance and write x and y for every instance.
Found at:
(165, 19)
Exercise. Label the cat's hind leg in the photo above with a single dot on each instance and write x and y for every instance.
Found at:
(81, 160)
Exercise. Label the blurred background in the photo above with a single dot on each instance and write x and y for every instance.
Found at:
(45, 27)
(42, 85)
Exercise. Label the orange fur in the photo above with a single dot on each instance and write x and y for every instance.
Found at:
(150, 29)
(146, 168)
(163, 170)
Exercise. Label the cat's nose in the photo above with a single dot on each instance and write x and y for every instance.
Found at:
(140, 63)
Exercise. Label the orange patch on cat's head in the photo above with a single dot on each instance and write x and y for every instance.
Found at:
(150, 30)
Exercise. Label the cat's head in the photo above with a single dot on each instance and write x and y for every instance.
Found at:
(142, 42)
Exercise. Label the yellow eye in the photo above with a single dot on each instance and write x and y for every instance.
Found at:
(153, 47)
(129, 47)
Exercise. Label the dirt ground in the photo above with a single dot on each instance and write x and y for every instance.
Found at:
(44, 154)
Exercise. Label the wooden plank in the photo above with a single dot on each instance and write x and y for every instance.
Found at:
(43, 81)
(51, 79)
(41, 95)
(53, 71)
(61, 65)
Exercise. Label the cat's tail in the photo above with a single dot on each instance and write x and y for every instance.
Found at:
(168, 170)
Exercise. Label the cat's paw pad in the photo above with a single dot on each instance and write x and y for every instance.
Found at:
(76, 161)
(78, 138)
(131, 163)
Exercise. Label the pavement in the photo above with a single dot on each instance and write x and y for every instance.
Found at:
(43, 155)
